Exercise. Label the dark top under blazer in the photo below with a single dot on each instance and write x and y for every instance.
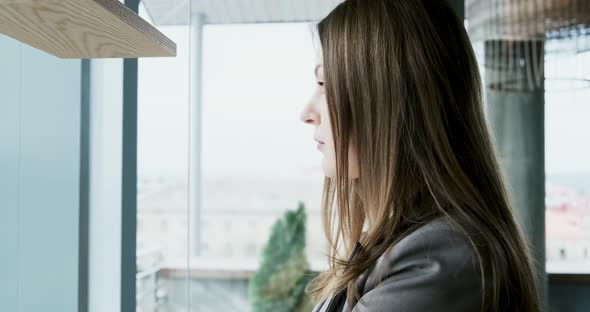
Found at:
(434, 268)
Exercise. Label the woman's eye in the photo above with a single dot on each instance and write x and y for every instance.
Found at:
(321, 83)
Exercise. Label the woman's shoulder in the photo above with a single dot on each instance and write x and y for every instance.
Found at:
(439, 232)
(434, 267)
(439, 244)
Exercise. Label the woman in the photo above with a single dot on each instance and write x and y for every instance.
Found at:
(421, 210)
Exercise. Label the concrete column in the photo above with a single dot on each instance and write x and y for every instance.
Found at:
(514, 93)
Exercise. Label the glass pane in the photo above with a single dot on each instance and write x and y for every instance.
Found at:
(567, 156)
(253, 157)
(258, 157)
(163, 163)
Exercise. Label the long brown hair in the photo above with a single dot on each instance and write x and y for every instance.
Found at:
(403, 88)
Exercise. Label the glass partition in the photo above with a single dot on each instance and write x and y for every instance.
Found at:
(222, 154)
(252, 159)
(163, 167)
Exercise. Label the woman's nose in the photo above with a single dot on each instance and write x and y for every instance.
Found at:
(309, 116)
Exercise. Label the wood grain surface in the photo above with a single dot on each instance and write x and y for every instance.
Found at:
(83, 29)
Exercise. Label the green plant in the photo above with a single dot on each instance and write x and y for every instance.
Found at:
(279, 284)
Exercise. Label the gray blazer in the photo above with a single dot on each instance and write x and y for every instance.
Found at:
(432, 269)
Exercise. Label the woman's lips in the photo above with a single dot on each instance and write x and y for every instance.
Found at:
(320, 143)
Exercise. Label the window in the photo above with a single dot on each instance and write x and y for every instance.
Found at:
(162, 174)
(567, 165)
(258, 157)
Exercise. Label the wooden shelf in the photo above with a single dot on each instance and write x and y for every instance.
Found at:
(83, 29)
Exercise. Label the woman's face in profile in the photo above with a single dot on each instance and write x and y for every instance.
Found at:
(316, 113)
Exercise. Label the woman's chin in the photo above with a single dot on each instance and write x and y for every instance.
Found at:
(328, 170)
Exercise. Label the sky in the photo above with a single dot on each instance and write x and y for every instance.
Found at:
(256, 80)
